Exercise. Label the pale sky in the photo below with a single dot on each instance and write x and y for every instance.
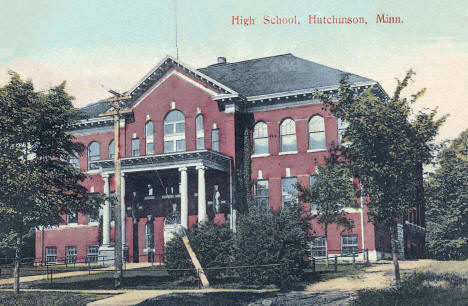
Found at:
(115, 43)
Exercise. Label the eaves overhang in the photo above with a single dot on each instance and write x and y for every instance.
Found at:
(208, 158)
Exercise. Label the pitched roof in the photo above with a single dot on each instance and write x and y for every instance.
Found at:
(93, 110)
(276, 74)
(257, 77)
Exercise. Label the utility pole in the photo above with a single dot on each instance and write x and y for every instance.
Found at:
(117, 112)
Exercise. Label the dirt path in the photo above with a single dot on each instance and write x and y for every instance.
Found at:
(381, 275)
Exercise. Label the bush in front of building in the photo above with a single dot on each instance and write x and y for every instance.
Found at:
(212, 244)
(274, 244)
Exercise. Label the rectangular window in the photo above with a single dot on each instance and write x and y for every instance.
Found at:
(70, 252)
(215, 140)
(180, 145)
(180, 127)
(75, 161)
(349, 245)
(135, 147)
(318, 247)
(288, 190)
(93, 217)
(72, 218)
(149, 147)
(112, 206)
(312, 182)
(288, 143)
(200, 143)
(92, 253)
(169, 146)
(261, 193)
(51, 255)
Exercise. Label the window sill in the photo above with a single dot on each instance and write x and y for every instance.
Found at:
(287, 153)
(260, 155)
(317, 150)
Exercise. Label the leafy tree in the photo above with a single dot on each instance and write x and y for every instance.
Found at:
(212, 244)
(332, 192)
(447, 203)
(277, 239)
(388, 145)
(38, 183)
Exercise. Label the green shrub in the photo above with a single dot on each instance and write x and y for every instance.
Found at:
(212, 244)
(265, 238)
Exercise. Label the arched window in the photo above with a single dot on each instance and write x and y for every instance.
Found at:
(94, 152)
(111, 149)
(174, 132)
(200, 132)
(260, 138)
(288, 136)
(342, 125)
(317, 133)
(149, 136)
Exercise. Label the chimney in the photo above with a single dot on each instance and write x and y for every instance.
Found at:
(221, 60)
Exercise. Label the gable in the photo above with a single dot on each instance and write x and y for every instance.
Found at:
(174, 76)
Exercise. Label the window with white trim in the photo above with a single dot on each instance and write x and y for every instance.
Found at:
(111, 149)
(288, 190)
(349, 245)
(149, 137)
(200, 132)
(74, 160)
(70, 252)
(72, 217)
(260, 138)
(94, 153)
(174, 132)
(288, 142)
(93, 216)
(136, 147)
(341, 127)
(51, 254)
(317, 133)
(261, 194)
(318, 247)
(215, 139)
(92, 253)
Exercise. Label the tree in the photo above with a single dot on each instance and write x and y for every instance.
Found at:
(447, 203)
(212, 244)
(38, 183)
(272, 238)
(332, 191)
(388, 145)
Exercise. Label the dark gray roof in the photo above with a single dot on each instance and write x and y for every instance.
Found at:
(93, 110)
(275, 74)
(262, 76)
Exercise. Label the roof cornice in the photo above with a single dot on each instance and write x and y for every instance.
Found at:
(164, 66)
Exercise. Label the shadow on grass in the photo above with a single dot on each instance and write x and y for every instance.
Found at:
(420, 289)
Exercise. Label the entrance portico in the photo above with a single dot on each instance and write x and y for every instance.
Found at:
(156, 185)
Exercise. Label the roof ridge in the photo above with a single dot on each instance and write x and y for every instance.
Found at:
(249, 60)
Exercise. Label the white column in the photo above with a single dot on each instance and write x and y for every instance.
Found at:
(183, 198)
(123, 212)
(201, 195)
(106, 213)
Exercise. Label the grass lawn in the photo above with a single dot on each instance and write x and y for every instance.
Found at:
(425, 288)
(47, 298)
(157, 278)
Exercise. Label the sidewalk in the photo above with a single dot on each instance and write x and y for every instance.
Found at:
(133, 297)
(32, 278)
